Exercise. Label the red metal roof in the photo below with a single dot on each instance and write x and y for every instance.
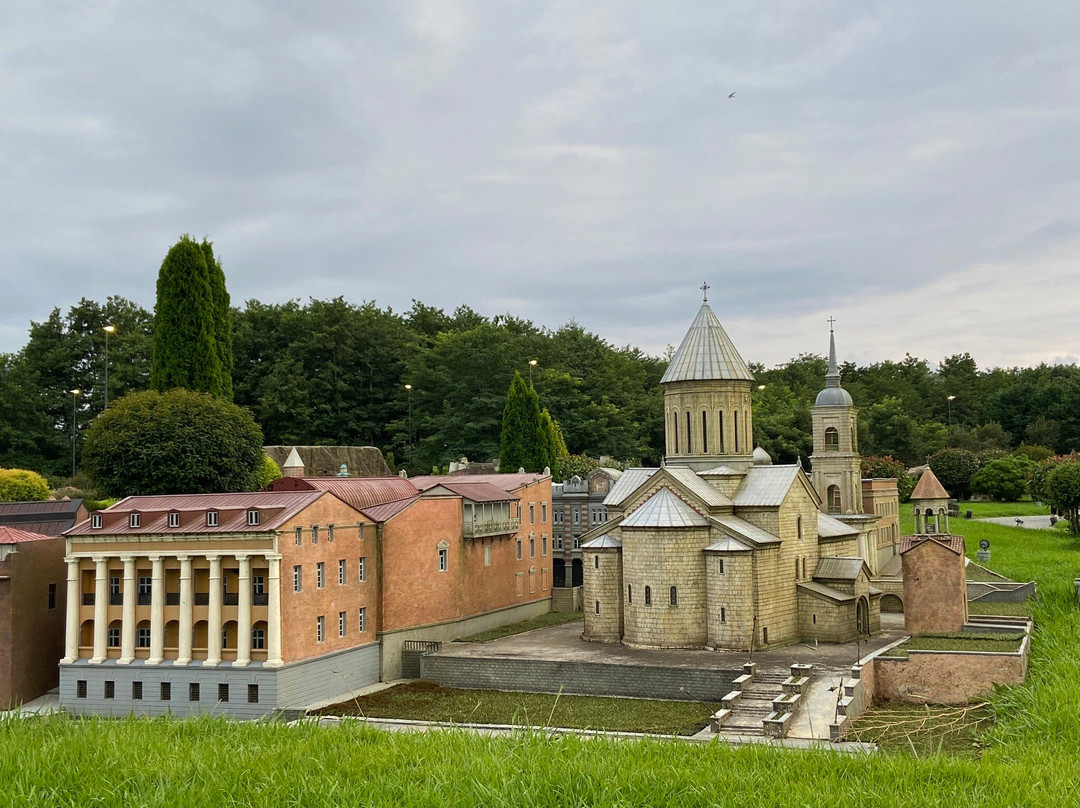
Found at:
(10, 535)
(505, 482)
(360, 492)
(388, 510)
(274, 507)
(954, 543)
(477, 492)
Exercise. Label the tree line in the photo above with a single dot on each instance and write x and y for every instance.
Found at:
(334, 372)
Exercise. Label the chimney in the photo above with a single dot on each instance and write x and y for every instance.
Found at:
(294, 466)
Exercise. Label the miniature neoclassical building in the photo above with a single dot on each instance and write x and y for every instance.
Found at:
(719, 548)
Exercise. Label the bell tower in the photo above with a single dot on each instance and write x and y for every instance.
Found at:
(837, 466)
(707, 417)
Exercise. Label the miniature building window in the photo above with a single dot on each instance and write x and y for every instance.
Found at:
(804, 567)
(596, 562)
(142, 637)
(833, 498)
(134, 519)
(598, 607)
(735, 417)
(543, 545)
(444, 558)
(689, 436)
(723, 615)
(136, 691)
(95, 520)
(532, 513)
(253, 518)
(320, 628)
(146, 588)
(764, 636)
(674, 596)
(519, 548)
(648, 596)
(320, 575)
(330, 533)
(704, 432)
(798, 526)
(629, 593)
(193, 691)
(543, 513)
(813, 619)
(487, 555)
(341, 624)
(80, 689)
(362, 622)
(299, 536)
(253, 694)
(165, 692)
(314, 534)
(114, 637)
(258, 639)
(675, 424)
(796, 569)
(211, 518)
(52, 596)
(297, 578)
(720, 432)
(532, 545)
(341, 572)
(832, 439)
(223, 692)
(577, 516)
(174, 520)
(110, 690)
(720, 566)
(363, 568)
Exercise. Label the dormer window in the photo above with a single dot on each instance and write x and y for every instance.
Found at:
(253, 518)
(134, 520)
(95, 520)
(211, 518)
(174, 519)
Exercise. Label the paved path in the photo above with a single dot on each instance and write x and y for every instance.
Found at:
(1037, 522)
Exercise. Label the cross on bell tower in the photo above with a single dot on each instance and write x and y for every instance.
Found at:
(705, 291)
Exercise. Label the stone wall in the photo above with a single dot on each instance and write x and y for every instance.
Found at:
(566, 599)
(602, 594)
(946, 677)
(585, 678)
(731, 600)
(935, 589)
(658, 560)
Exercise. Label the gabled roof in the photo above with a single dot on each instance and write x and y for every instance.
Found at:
(954, 543)
(602, 543)
(388, 510)
(699, 487)
(706, 353)
(627, 484)
(765, 486)
(49, 517)
(929, 487)
(664, 509)
(830, 528)
(745, 530)
(825, 592)
(506, 482)
(475, 492)
(10, 535)
(840, 568)
(602, 529)
(721, 471)
(360, 492)
(728, 545)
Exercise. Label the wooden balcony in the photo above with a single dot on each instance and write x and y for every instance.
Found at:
(495, 527)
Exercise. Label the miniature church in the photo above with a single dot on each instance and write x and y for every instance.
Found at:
(719, 548)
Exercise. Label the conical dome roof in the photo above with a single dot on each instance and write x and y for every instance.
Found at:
(833, 395)
(706, 353)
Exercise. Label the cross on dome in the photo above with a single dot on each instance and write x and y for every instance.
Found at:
(705, 291)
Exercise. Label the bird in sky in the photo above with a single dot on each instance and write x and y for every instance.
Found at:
(731, 95)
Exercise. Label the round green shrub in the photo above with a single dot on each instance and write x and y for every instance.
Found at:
(265, 473)
(178, 442)
(20, 485)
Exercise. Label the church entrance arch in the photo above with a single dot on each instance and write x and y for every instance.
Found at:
(891, 603)
(862, 617)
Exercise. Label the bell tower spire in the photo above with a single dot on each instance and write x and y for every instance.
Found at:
(837, 466)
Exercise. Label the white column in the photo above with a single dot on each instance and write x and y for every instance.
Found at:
(243, 613)
(74, 598)
(213, 627)
(101, 605)
(127, 631)
(186, 602)
(157, 612)
(273, 612)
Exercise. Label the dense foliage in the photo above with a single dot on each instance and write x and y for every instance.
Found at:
(20, 485)
(888, 466)
(1063, 490)
(179, 442)
(525, 440)
(954, 469)
(1003, 479)
(186, 353)
(328, 371)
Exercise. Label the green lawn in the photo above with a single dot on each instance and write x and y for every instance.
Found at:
(960, 642)
(544, 620)
(431, 702)
(987, 510)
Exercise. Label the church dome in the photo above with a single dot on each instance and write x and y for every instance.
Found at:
(761, 457)
(833, 395)
(706, 353)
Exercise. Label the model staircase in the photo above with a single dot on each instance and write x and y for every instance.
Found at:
(755, 704)
(762, 703)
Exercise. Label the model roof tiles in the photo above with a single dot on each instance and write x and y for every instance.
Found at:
(839, 568)
(954, 543)
(664, 509)
(706, 353)
(746, 530)
(604, 542)
(827, 592)
(929, 487)
(765, 486)
(830, 528)
(627, 484)
(505, 482)
(388, 510)
(728, 544)
(699, 487)
(364, 492)
(11, 535)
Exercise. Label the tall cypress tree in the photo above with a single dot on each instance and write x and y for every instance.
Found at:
(184, 351)
(521, 438)
(222, 318)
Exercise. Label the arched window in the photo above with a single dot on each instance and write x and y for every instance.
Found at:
(735, 415)
(833, 498)
(832, 440)
(596, 562)
(648, 596)
(629, 593)
(796, 569)
(675, 430)
(720, 433)
(798, 526)
(598, 607)
(689, 436)
(674, 596)
(723, 615)
(704, 432)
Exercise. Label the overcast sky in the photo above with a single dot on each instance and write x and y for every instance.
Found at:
(911, 168)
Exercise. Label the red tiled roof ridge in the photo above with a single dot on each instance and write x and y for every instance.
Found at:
(11, 535)
(948, 541)
(929, 487)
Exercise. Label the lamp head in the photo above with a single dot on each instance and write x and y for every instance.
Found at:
(109, 329)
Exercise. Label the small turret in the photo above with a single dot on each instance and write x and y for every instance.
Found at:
(294, 466)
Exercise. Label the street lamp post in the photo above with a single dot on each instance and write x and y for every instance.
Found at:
(950, 400)
(108, 330)
(409, 434)
(74, 397)
(532, 364)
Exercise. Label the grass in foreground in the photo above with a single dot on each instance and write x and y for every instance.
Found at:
(924, 729)
(430, 702)
(542, 621)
